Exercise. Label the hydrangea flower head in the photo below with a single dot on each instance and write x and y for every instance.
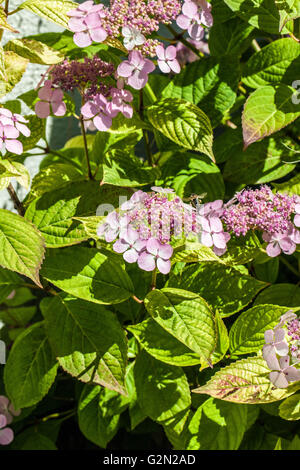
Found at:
(99, 112)
(191, 20)
(85, 22)
(156, 255)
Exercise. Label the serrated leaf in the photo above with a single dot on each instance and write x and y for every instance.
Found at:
(16, 170)
(22, 246)
(267, 110)
(52, 10)
(288, 10)
(291, 186)
(241, 250)
(217, 425)
(31, 367)
(277, 62)
(53, 212)
(247, 333)
(187, 317)
(77, 331)
(262, 14)
(105, 141)
(183, 123)
(14, 68)
(231, 37)
(287, 295)
(223, 287)
(162, 390)
(163, 346)
(88, 274)
(245, 381)
(99, 414)
(125, 169)
(192, 252)
(209, 83)
(289, 409)
(36, 52)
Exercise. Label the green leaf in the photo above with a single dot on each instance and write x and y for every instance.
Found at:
(245, 381)
(17, 171)
(88, 274)
(220, 11)
(267, 110)
(262, 162)
(223, 287)
(183, 123)
(289, 409)
(291, 186)
(78, 334)
(22, 246)
(241, 250)
(188, 173)
(187, 317)
(99, 412)
(105, 141)
(52, 178)
(288, 10)
(14, 68)
(91, 225)
(209, 83)
(192, 252)
(262, 14)
(17, 316)
(162, 390)
(163, 346)
(232, 37)
(53, 212)
(125, 169)
(287, 295)
(277, 62)
(217, 425)
(36, 52)
(268, 271)
(52, 10)
(31, 367)
(247, 333)
(8, 282)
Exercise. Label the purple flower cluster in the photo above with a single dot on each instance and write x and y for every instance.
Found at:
(260, 209)
(195, 14)
(282, 348)
(87, 76)
(146, 225)
(11, 125)
(7, 412)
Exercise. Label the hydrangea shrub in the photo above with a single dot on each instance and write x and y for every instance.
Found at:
(149, 280)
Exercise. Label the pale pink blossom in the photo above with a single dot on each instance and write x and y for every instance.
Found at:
(136, 70)
(284, 373)
(156, 255)
(130, 245)
(98, 111)
(167, 61)
(6, 434)
(85, 22)
(51, 101)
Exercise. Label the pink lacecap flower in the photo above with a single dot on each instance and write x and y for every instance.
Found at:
(167, 61)
(113, 226)
(119, 102)
(6, 434)
(136, 70)
(191, 20)
(51, 101)
(284, 373)
(130, 245)
(7, 409)
(278, 242)
(156, 255)
(8, 138)
(275, 344)
(14, 119)
(85, 22)
(213, 234)
(137, 198)
(99, 112)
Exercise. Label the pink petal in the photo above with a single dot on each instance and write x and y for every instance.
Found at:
(102, 122)
(98, 34)
(146, 261)
(11, 132)
(189, 9)
(127, 111)
(125, 69)
(160, 52)
(269, 355)
(148, 66)
(6, 436)
(89, 110)
(279, 334)
(59, 109)
(82, 39)
(45, 92)
(57, 95)
(174, 65)
(76, 25)
(3, 421)
(287, 246)
(292, 374)
(216, 224)
(164, 266)
(120, 246)
(278, 379)
(183, 21)
(164, 67)
(206, 239)
(131, 236)
(282, 348)
(273, 249)
(23, 129)
(131, 256)
(42, 109)
(138, 80)
(269, 336)
(136, 58)
(219, 240)
(171, 53)
(165, 251)
(153, 246)
(196, 31)
(111, 235)
(14, 146)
